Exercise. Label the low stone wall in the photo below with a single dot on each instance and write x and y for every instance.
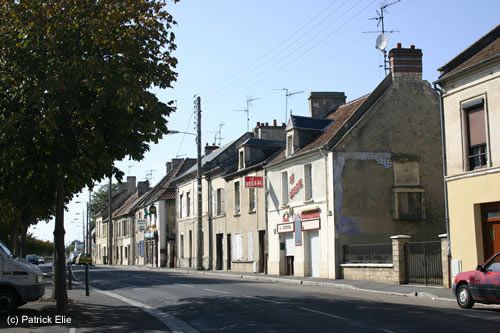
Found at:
(370, 272)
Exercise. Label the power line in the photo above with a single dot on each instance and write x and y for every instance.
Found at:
(231, 97)
(320, 13)
(265, 68)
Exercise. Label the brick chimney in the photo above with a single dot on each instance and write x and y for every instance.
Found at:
(168, 167)
(131, 184)
(321, 103)
(142, 187)
(269, 132)
(210, 148)
(406, 62)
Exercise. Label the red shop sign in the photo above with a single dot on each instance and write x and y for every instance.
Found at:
(254, 182)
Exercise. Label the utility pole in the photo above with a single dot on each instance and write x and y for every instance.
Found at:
(382, 32)
(110, 223)
(89, 236)
(199, 250)
(287, 94)
(247, 110)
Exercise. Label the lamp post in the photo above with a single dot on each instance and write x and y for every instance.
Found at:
(199, 252)
(83, 227)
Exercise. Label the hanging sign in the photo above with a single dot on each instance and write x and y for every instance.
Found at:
(141, 225)
(285, 227)
(254, 181)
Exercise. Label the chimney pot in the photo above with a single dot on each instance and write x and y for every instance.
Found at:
(399, 45)
(267, 124)
(406, 61)
(412, 47)
(258, 124)
(274, 123)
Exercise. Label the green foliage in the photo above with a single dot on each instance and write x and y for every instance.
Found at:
(75, 80)
(100, 198)
(39, 247)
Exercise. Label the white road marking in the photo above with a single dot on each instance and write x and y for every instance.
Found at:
(325, 314)
(184, 285)
(176, 325)
(72, 330)
(263, 299)
(217, 291)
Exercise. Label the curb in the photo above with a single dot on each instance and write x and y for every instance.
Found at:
(298, 282)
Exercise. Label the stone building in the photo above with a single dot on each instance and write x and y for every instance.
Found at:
(357, 173)
(471, 108)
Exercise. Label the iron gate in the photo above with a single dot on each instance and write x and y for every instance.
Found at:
(424, 263)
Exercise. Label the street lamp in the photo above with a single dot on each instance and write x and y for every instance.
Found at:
(83, 227)
(199, 252)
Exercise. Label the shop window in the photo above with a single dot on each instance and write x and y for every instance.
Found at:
(476, 135)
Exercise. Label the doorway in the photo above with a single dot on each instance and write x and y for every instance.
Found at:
(491, 228)
(262, 248)
(219, 238)
(229, 252)
(313, 242)
(191, 248)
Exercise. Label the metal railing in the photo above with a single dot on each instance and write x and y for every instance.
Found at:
(368, 253)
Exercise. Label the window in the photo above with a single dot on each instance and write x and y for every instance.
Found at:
(180, 206)
(188, 204)
(251, 200)
(476, 136)
(284, 188)
(237, 247)
(408, 195)
(219, 202)
(308, 181)
(236, 198)
(494, 265)
(241, 159)
(289, 145)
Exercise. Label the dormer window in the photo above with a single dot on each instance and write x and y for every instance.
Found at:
(241, 158)
(289, 144)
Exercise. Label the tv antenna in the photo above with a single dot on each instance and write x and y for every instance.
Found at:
(287, 94)
(149, 175)
(381, 41)
(247, 110)
(218, 134)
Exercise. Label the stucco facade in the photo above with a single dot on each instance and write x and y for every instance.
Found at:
(471, 83)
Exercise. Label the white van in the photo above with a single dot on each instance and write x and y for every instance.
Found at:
(20, 281)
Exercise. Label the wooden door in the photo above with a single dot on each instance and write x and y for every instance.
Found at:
(491, 229)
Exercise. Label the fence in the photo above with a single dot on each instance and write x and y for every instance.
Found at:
(368, 253)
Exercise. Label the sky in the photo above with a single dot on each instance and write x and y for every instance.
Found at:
(231, 50)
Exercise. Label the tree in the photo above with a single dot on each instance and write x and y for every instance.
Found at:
(100, 200)
(75, 79)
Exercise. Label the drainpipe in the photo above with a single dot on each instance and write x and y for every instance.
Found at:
(445, 187)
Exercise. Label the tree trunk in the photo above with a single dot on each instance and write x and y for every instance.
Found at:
(59, 291)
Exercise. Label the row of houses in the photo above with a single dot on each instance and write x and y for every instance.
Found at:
(341, 193)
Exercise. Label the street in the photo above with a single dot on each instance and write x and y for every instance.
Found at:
(208, 303)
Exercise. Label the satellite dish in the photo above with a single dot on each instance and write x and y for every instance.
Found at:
(381, 42)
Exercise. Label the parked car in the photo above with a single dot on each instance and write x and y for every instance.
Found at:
(32, 258)
(83, 259)
(18, 289)
(41, 260)
(481, 285)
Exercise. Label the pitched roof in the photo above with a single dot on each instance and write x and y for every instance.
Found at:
(300, 122)
(344, 118)
(263, 143)
(167, 182)
(487, 47)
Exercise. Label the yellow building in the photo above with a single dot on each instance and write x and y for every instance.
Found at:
(470, 86)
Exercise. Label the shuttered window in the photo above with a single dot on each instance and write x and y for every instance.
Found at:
(236, 197)
(250, 247)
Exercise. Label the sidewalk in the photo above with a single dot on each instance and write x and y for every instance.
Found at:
(96, 312)
(368, 286)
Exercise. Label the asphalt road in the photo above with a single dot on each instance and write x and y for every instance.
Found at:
(230, 305)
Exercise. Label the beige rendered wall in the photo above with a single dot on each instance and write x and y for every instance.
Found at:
(243, 223)
(486, 84)
(464, 199)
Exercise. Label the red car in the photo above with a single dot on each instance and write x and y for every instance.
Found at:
(481, 285)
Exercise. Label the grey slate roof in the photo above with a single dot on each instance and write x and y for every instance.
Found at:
(300, 122)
